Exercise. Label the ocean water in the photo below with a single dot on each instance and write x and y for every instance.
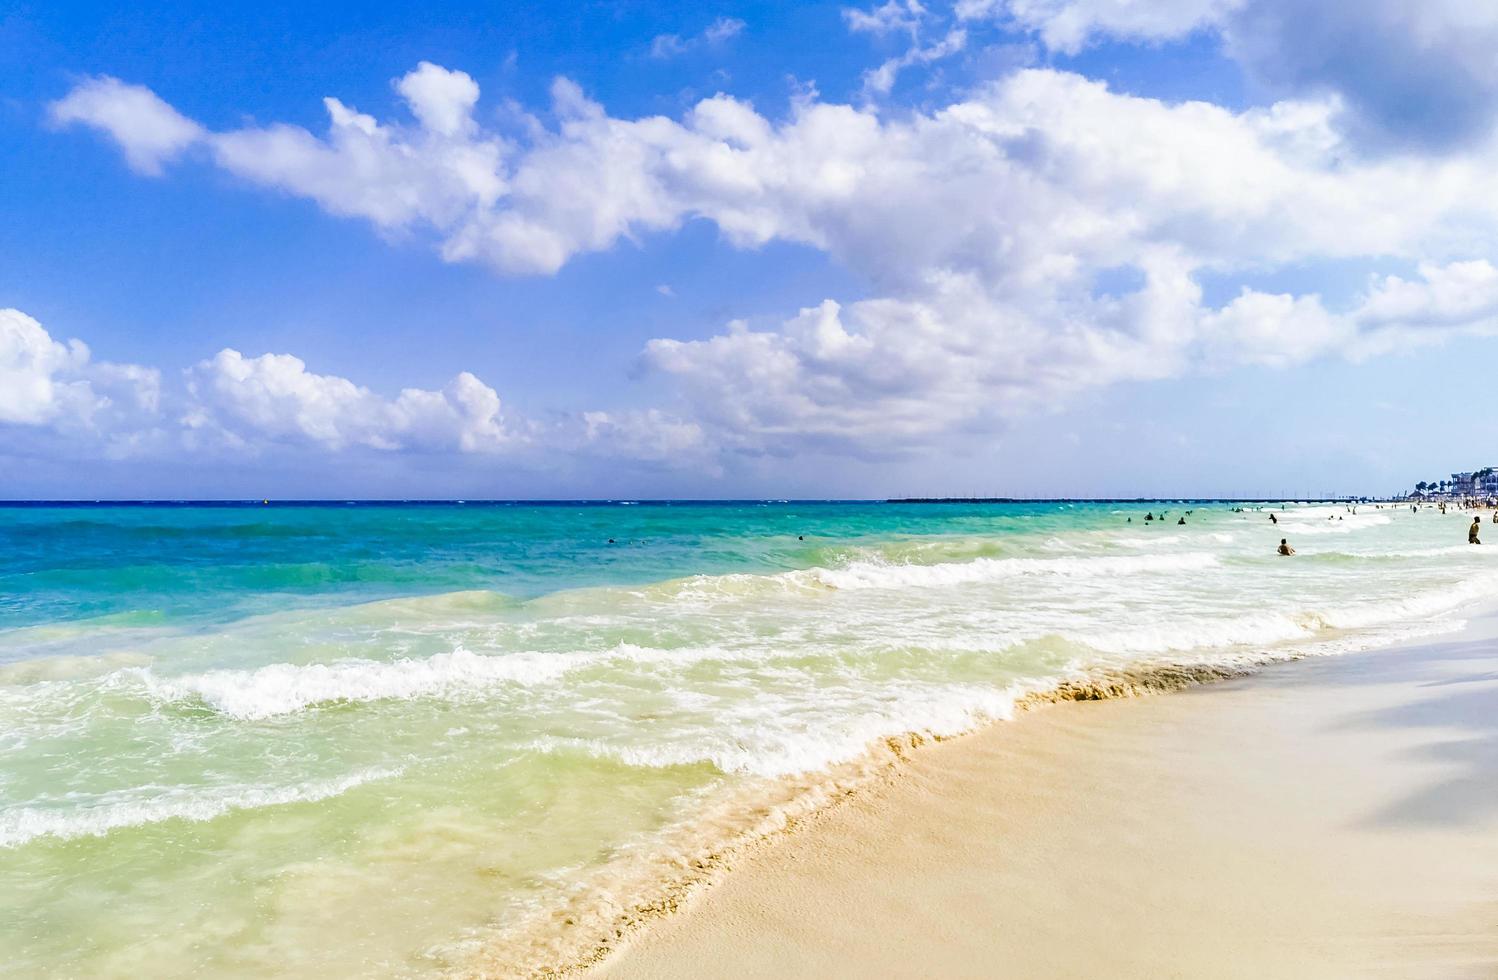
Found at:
(382, 740)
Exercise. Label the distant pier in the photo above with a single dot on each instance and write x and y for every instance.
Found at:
(1132, 500)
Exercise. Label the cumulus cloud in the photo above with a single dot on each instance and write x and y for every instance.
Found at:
(438, 173)
(1081, 170)
(985, 226)
(888, 375)
(1393, 313)
(56, 387)
(1405, 74)
(243, 400)
(56, 400)
(148, 131)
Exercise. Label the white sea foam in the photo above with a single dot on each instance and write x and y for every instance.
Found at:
(1413, 607)
(280, 689)
(286, 689)
(1201, 634)
(772, 742)
(879, 575)
(1264, 629)
(155, 804)
(1465, 550)
(1327, 521)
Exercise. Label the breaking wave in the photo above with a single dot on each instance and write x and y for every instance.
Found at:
(151, 805)
(281, 689)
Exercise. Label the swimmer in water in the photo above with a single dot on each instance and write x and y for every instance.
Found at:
(1273, 519)
(1472, 531)
(1285, 548)
(1181, 521)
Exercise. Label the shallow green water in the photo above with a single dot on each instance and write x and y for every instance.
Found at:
(362, 739)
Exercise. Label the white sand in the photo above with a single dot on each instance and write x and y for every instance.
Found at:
(1334, 817)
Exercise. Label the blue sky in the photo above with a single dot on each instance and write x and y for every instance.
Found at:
(1079, 247)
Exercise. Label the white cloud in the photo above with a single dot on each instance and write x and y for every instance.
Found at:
(1405, 74)
(49, 385)
(1277, 330)
(437, 173)
(880, 80)
(1068, 25)
(901, 17)
(892, 17)
(1460, 298)
(244, 400)
(723, 29)
(55, 400)
(986, 226)
(148, 131)
(1409, 74)
(442, 100)
(665, 46)
(31, 391)
(649, 436)
(891, 374)
(1452, 295)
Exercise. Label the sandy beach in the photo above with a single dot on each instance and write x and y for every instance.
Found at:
(1331, 817)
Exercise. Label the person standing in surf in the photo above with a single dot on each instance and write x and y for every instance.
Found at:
(1472, 531)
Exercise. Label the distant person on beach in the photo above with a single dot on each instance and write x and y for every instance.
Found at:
(1285, 548)
(1472, 531)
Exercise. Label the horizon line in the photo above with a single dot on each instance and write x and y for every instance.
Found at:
(658, 501)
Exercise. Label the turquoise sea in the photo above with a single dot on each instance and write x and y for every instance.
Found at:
(385, 739)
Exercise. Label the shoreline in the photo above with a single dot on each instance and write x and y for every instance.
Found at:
(707, 905)
(591, 932)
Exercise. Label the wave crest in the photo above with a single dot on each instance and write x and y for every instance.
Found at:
(282, 689)
(21, 824)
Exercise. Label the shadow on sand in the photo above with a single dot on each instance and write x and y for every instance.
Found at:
(1466, 708)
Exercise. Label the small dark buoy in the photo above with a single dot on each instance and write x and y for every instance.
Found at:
(800, 537)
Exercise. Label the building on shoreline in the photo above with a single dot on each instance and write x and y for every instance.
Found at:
(1476, 485)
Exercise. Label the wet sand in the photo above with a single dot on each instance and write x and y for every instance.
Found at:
(1332, 817)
